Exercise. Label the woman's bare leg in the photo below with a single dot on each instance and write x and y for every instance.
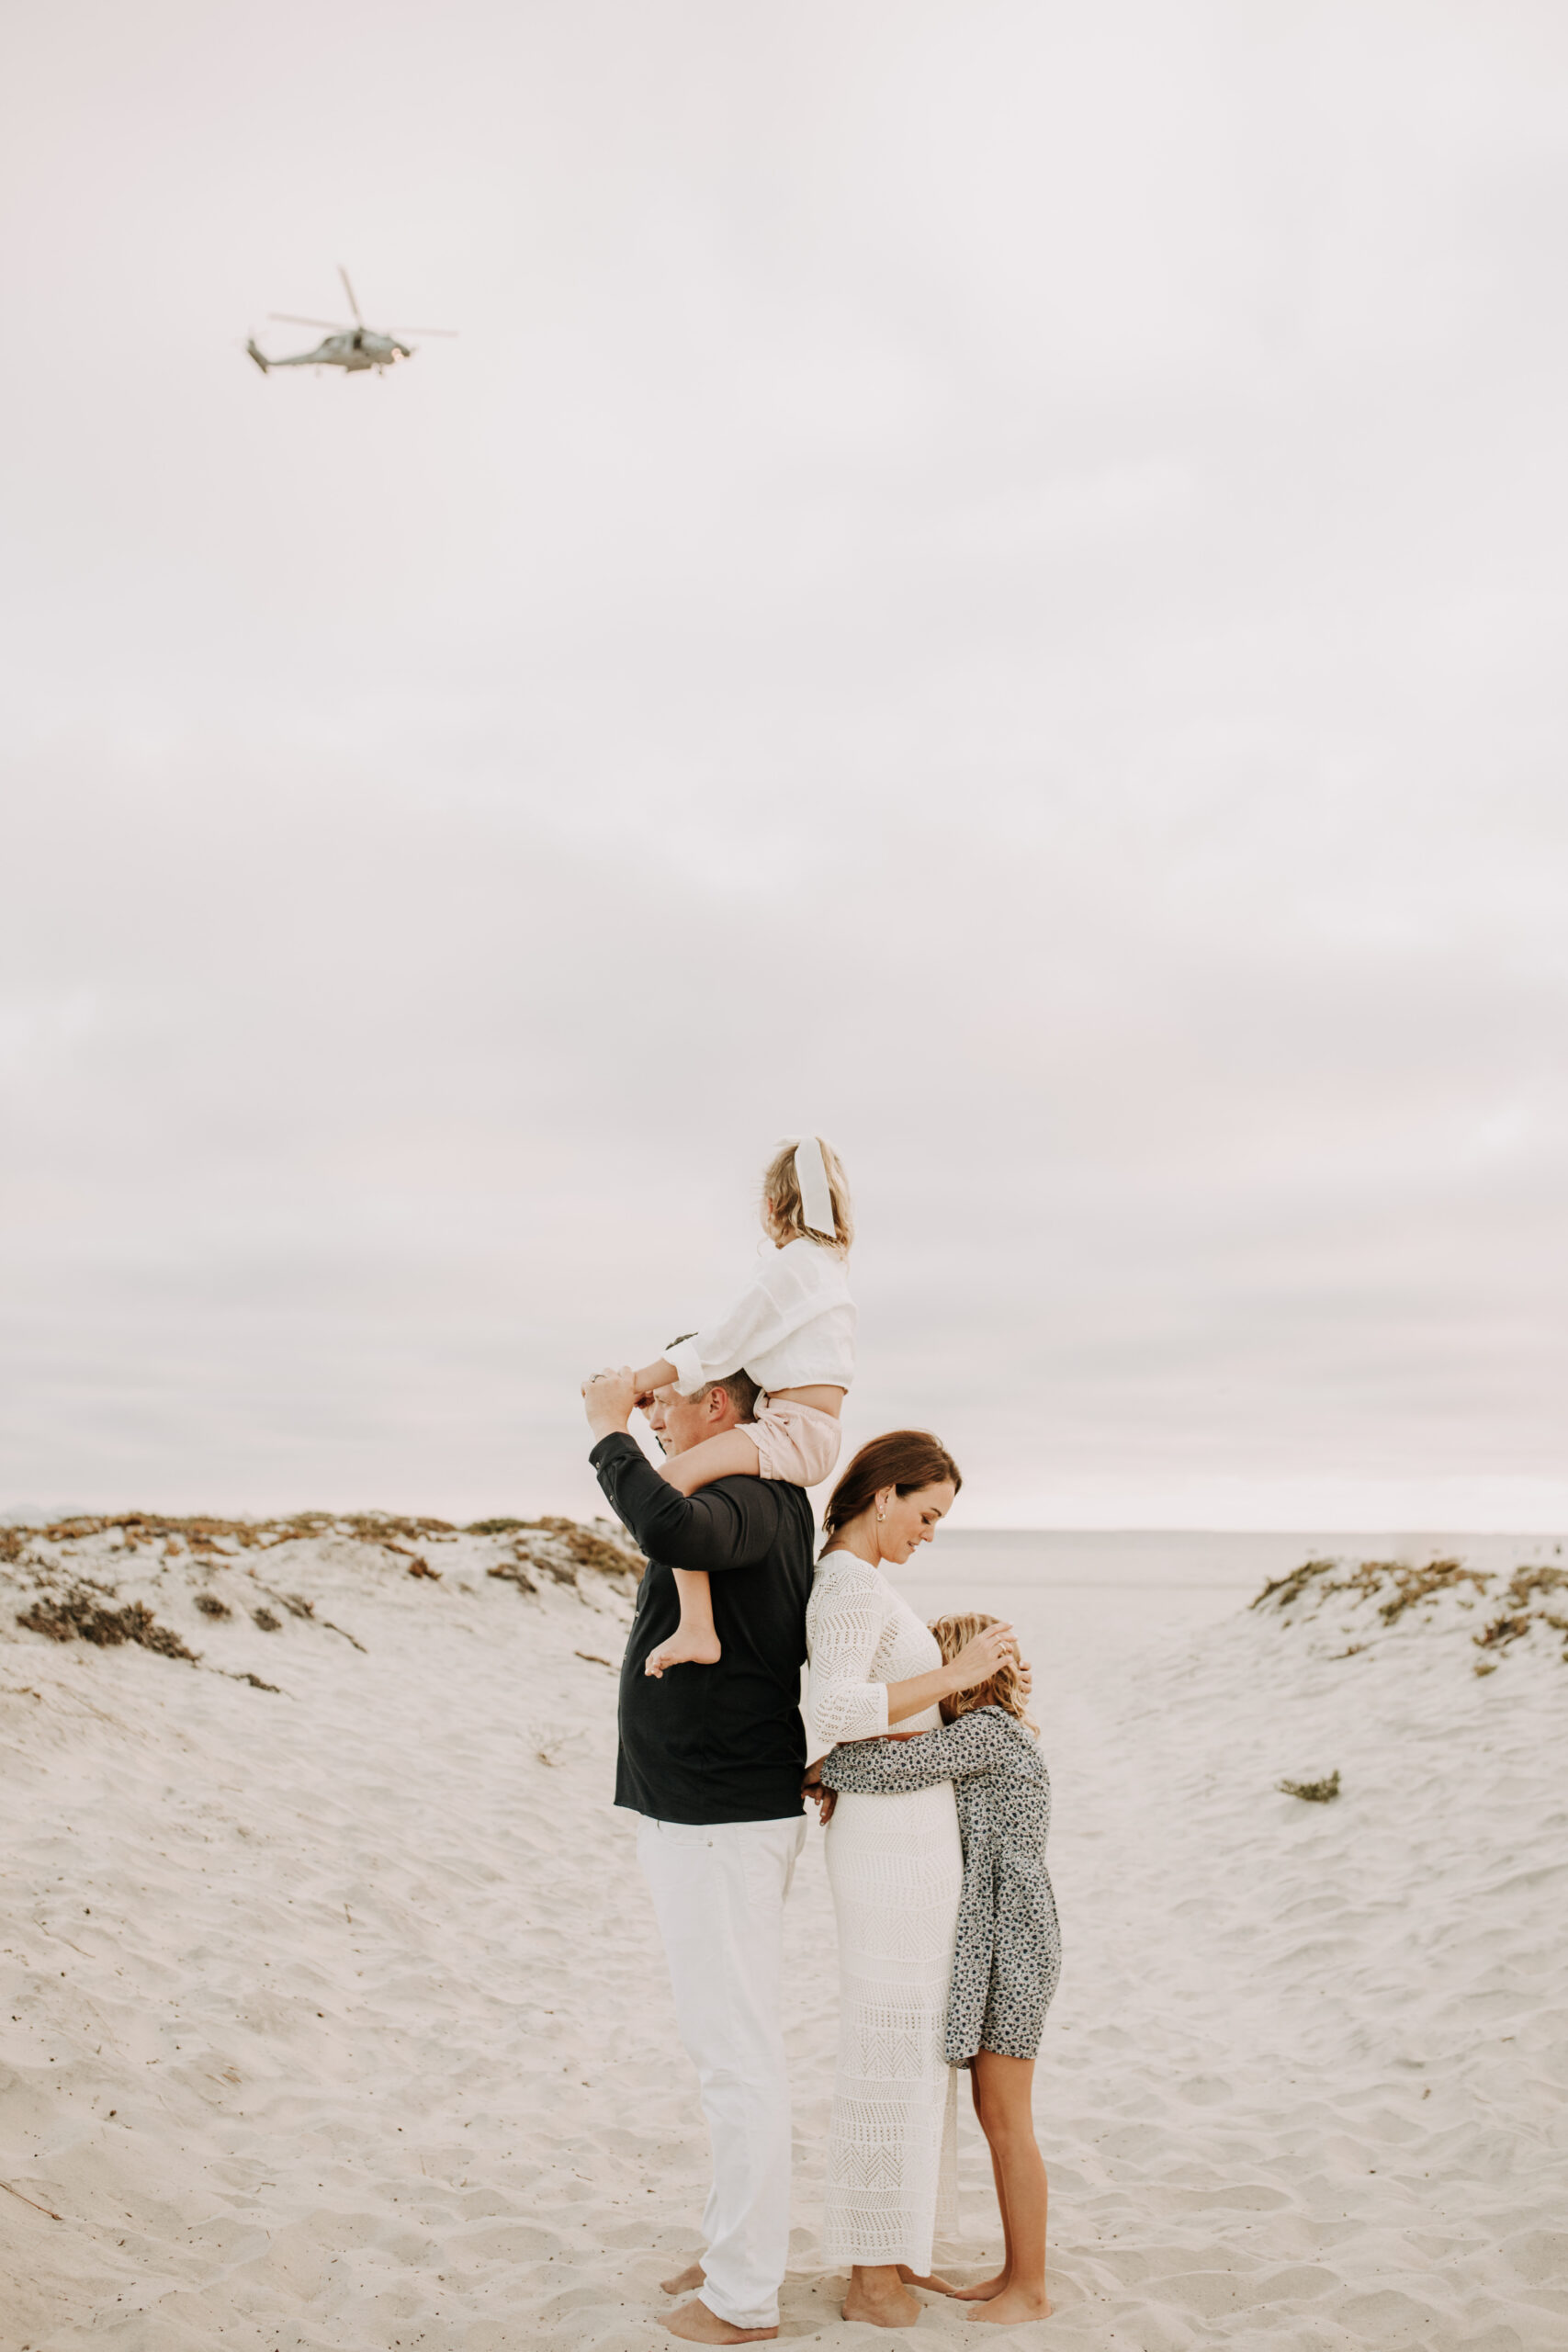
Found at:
(988, 2287)
(1003, 2093)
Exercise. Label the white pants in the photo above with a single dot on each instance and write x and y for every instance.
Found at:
(718, 1892)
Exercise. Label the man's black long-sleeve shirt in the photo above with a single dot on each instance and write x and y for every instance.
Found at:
(724, 1742)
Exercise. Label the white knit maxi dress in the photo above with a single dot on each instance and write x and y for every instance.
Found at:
(895, 1868)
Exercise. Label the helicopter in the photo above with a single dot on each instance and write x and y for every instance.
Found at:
(356, 348)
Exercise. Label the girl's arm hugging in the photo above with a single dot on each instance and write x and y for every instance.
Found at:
(976, 1743)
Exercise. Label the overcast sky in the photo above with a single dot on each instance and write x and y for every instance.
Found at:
(989, 579)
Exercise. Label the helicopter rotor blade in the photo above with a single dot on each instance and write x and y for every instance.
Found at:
(348, 289)
(292, 319)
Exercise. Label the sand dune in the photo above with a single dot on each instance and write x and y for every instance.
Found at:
(333, 2016)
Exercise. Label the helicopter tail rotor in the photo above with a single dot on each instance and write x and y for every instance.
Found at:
(259, 356)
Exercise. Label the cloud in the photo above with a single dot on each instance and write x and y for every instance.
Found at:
(987, 584)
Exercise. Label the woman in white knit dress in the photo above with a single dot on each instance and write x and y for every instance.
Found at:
(895, 1867)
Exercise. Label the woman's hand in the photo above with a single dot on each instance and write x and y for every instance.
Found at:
(982, 1657)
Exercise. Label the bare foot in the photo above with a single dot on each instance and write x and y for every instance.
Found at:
(984, 2292)
(885, 2301)
(691, 2278)
(695, 2324)
(934, 2285)
(1012, 2307)
(685, 1649)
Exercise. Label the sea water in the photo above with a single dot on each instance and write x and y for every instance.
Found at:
(1077, 1597)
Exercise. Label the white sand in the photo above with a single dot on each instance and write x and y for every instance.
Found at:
(337, 2017)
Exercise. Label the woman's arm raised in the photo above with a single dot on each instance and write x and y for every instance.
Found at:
(843, 1703)
(976, 1663)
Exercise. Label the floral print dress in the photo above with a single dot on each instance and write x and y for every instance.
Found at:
(1009, 1953)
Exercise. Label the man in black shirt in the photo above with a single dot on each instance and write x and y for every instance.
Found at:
(711, 1756)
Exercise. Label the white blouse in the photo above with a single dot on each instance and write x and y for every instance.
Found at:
(861, 1635)
(792, 1326)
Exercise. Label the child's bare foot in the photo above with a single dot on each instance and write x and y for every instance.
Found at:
(934, 2285)
(985, 2292)
(1012, 2307)
(685, 1649)
(691, 2278)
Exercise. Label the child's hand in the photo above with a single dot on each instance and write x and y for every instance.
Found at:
(608, 1399)
(823, 1799)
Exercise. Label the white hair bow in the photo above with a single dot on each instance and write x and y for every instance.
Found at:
(815, 1193)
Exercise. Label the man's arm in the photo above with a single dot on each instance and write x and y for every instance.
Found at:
(727, 1526)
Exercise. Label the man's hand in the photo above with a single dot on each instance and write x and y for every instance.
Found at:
(608, 1399)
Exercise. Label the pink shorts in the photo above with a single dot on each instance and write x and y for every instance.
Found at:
(798, 1444)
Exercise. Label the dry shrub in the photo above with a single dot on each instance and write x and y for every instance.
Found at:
(515, 1572)
(80, 1616)
(1526, 1583)
(1421, 1584)
(1312, 1792)
(587, 1550)
(372, 1526)
(1286, 1591)
(1394, 1587)
(1502, 1631)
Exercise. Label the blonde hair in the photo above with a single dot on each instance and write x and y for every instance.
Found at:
(781, 1194)
(954, 1634)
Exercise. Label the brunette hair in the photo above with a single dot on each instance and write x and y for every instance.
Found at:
(953, 1634)
(781, 1195)
(904, 1459)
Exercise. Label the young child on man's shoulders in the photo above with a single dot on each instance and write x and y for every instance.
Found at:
(793, 1331)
